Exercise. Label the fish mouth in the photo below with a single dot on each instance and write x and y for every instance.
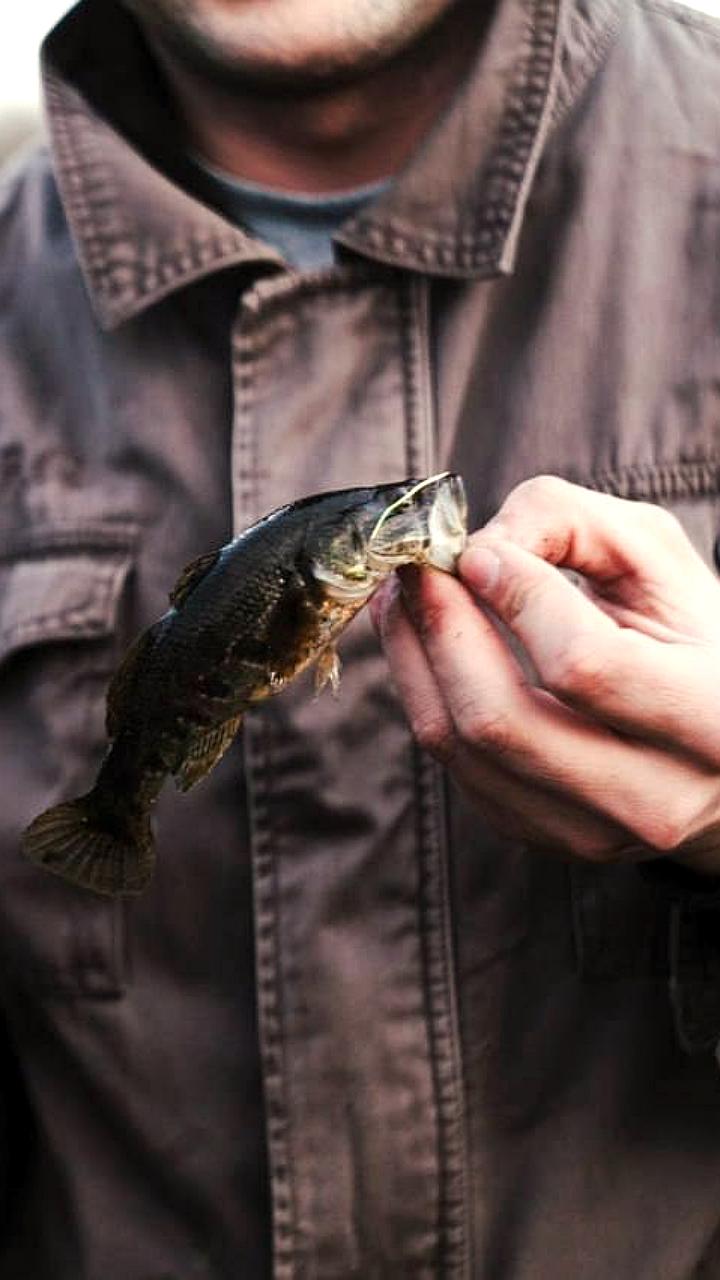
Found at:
(427, 524)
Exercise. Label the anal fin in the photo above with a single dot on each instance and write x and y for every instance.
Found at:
(207, 748)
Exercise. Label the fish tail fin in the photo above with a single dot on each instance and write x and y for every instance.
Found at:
(93, 845)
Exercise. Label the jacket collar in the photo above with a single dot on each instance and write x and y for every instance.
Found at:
(144, 226)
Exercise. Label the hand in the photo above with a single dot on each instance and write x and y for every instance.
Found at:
(611, 750)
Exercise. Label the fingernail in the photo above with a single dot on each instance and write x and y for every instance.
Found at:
(480, 567)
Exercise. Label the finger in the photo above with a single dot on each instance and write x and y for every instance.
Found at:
(656, 691)
(533, 814)
(661, 800)
(637, 552)
(447, 622)
(426, 711)
(537, 816)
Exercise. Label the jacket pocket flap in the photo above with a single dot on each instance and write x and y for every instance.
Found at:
(61, 586)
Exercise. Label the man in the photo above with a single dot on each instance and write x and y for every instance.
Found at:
(366, 1022)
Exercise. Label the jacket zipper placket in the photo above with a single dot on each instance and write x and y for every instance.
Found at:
(434, 925)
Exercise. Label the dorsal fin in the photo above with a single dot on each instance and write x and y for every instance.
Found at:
(121, 686)
(193, 573)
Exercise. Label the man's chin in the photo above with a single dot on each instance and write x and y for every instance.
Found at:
(271, 47)
(266, 77)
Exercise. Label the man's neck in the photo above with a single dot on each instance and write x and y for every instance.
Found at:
(329, 138)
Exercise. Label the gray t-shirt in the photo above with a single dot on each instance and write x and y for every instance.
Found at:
(299, 225)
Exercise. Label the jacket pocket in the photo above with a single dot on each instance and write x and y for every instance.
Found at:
(61, 591)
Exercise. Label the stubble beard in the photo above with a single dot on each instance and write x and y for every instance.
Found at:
(292, 45)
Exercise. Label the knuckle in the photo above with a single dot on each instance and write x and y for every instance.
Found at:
(433, 732)
(579, 669)
(536, 495)
(540, 490)
(485, 728)
(669, 827)
(516, 598)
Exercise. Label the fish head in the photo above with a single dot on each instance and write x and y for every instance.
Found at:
(425, 523)
(412, 522)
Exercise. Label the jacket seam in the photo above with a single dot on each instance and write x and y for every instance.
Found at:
(451, 1227)
(417, 375)
(659, 480)
(75, 175)
(71, 619)
(243, 446)
(443, 1028)
(258, 764)
(68, 539)
(270, 1004)
(595, 54)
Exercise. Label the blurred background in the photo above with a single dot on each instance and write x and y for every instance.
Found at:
(22, 27)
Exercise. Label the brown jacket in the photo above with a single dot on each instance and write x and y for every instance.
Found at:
(470, 1062)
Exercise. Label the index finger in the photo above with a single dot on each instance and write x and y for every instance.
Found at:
(601, 536)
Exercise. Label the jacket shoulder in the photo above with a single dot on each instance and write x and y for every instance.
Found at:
(654, 65)
(683, 40)
(684, 18)
(677, 64)
(31, 213)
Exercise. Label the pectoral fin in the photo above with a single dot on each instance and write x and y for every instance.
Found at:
(327, 670)
(207, 748)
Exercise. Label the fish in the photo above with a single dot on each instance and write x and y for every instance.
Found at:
(244, 620)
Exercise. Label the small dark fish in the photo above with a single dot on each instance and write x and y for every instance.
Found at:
(244, 621)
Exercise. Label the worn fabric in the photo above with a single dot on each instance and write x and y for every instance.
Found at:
(349, 1031)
